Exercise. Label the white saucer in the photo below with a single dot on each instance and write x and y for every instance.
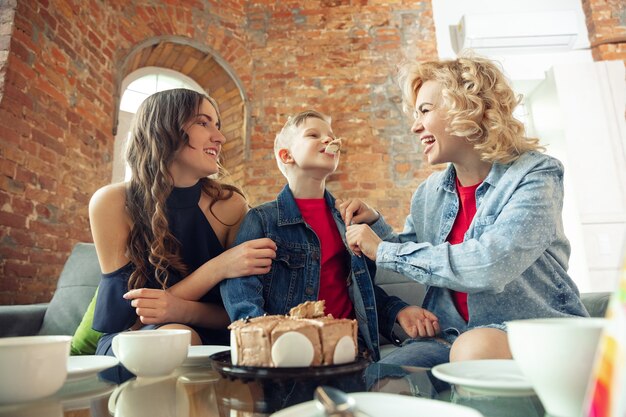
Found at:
(199, 355)
(79, 367)
(500, 377)
(379, 404)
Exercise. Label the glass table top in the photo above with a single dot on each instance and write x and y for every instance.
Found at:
(205, 390)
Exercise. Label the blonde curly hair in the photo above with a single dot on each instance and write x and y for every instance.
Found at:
(479, 104)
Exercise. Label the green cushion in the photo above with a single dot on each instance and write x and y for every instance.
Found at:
(85, 339)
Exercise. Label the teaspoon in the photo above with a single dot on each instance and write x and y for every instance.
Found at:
(336, 403)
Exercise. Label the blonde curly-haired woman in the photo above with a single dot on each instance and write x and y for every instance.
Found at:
(484, 235)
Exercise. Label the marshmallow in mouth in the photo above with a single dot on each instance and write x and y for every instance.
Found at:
(333, 147)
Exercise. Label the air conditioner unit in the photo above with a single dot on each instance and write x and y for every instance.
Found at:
(516, 32)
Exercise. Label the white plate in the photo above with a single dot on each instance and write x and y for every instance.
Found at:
(79, 367)
(379, 404)
(489, 376)
(199, 355)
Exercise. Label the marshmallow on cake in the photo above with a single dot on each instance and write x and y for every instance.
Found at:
(303, 338)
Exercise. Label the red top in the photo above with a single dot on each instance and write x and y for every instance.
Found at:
(334, 263)
(467, 210)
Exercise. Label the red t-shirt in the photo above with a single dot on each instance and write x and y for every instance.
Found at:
(334, 263)
(467, 210)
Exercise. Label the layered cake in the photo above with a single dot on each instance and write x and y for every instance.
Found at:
(304, 337)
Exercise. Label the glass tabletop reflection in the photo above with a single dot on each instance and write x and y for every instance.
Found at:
(205, 390)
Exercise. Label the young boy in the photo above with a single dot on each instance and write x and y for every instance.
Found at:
(312, 260)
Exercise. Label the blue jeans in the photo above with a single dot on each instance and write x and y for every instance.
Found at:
(424, 353)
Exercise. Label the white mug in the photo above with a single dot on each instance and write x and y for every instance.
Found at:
(556, 355)
(149, 353)
(32, 367)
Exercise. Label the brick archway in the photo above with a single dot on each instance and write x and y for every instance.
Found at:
(212, 73)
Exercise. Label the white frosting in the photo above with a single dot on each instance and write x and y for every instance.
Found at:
(234, 358)
(344, 351)
(292, 349)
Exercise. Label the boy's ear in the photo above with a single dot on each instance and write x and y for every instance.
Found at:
(285, 156)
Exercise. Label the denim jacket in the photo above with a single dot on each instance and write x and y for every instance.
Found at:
(295, 274)
(513, 260)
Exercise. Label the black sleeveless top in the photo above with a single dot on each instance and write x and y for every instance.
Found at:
(198, 244)
(198, 241)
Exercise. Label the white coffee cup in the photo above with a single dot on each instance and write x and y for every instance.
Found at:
(556, 355)
(148, 353)
(32, 367)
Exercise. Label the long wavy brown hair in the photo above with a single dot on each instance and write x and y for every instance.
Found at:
(156, 137)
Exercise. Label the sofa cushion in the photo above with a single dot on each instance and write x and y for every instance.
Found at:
(21, 320)
(397, 284)
(596, 303)
(75, 289)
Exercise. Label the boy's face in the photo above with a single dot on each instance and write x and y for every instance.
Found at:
(308, 147)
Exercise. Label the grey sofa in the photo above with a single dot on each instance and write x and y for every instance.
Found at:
(75, 289)
(81, 274)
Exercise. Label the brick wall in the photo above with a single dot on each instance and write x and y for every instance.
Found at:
(606, 24)
(61, 66)
(59, 88)
(340, 59)
(55, 143)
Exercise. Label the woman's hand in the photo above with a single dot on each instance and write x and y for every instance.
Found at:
(253, 257)
(157, 306)
(356, 211)
(362, 240)
(416, 321)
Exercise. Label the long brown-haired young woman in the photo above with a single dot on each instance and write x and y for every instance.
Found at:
(163, 238)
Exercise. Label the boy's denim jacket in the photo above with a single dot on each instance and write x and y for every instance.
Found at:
(295, 274)
(513, 260)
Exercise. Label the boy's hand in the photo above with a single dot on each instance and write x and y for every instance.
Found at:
(416, 321)
(354, 210)
(362, 240)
